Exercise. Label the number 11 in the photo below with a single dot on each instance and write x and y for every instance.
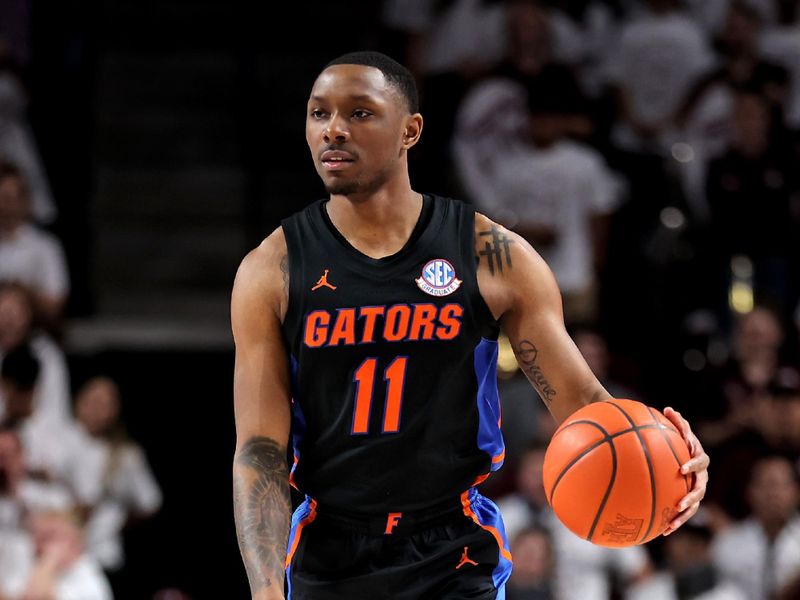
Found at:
(395, 376)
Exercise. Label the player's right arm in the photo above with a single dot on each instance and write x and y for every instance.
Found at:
(261, 393)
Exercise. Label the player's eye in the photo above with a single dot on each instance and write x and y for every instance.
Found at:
(361, 114)
(316, 113)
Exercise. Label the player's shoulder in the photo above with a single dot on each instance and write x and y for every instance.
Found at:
(264, 272)
(265, 257)
(509, 268)
(493, 238)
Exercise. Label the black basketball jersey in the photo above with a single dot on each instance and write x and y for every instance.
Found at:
(393, 360)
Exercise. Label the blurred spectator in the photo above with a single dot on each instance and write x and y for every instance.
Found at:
(492, 119)
(448, 45)
(50, 562)
(52, 397)
(52, 451)
(750, 195)
(706, 119)
(762, 553)
(746, 380)
(690, 573)
(119, 484)
(29, 255)
(584, 570)
(490, 127)
(17, 143)
(740, 421)
(657, 59)
(781, 43)
(533, 577)
(21, 494)
(558, 195)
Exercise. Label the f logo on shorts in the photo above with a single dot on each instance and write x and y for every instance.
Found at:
(391, 522)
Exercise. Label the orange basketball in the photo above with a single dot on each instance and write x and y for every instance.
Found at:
(612, 472)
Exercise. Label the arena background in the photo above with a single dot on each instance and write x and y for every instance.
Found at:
(172, 135)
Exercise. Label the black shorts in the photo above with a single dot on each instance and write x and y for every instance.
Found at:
(455, 551)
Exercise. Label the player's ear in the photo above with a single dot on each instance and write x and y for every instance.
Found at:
(413, 130)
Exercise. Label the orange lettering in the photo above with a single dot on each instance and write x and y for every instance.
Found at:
(397, 320)
(316, 333)
(450, 320)
(391, 522)
(422, 322)
(370, 314)
(344, 328)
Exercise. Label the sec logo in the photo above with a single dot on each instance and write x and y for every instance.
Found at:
(438, 278)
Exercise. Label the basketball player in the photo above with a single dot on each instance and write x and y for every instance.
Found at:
(369, 322)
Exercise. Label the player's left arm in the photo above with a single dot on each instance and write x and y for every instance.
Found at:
(523, 295)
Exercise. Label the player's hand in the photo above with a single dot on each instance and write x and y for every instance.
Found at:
(697, 464)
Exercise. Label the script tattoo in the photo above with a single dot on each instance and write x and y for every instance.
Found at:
(495, 249)
(262, 510)
(526, 355)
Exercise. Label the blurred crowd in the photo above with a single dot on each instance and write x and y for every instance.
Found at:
(648, 149)
(71, 479)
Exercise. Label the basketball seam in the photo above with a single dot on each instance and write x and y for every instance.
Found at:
(671, 449)
(608, 489)
(649, 468)
(586, 451)
(609, 437)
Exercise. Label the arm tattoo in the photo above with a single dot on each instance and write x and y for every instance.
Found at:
(262, 510)
(526, 356)
(285, 271)
(495, 249)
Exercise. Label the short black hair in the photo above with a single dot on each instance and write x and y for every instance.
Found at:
(20, 368)
(395, 73)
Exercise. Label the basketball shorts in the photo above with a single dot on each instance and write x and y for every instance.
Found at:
(454, 551)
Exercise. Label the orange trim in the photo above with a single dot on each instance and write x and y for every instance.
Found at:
(480, 479)
(296, 542)
(493, 530)
(291, 472)
(499, 458)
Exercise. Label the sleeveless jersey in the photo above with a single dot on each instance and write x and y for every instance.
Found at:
(394, 388)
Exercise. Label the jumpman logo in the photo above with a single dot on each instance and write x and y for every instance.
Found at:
(323, 282)
(466, 559)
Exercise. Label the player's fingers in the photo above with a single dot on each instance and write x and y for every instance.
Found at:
(697, 492)
(683, 426)
(691, 498)
(696, 464)
(682, 518)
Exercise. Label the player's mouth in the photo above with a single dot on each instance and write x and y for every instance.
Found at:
(335, 160)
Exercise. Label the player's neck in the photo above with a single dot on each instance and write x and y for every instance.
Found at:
(378, 225)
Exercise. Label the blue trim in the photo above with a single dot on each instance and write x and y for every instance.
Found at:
(300, 513)
(298, 418)
(489, 515)
(490, 437)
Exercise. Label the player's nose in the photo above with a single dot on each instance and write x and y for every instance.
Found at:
(336, 129)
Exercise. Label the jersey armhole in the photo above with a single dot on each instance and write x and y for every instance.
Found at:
(294, 258)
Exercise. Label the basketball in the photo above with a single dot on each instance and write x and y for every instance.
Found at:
(612, 472)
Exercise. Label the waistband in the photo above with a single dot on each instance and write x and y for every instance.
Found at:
(396, 522)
